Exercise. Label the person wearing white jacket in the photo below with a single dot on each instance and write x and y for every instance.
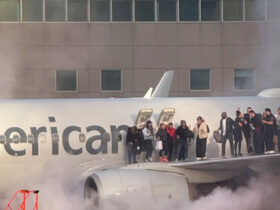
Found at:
(149, 134)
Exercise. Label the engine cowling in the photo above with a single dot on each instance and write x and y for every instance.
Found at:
(118, 182)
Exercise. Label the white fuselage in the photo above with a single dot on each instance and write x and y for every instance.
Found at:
(93, 117)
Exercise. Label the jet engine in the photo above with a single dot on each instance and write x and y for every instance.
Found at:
(157, 185)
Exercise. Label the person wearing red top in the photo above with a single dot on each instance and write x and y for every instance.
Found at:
(171, 140)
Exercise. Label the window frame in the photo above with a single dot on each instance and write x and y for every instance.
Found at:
(254, 79)
(210, 80)
(67, 91)
(111, 91)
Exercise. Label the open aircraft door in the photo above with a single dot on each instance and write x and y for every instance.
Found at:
(143, 116)
(166, 116)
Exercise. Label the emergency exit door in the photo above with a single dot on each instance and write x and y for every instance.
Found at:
(143, 116)
(166, 116)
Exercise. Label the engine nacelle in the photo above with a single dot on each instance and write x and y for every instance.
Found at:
(154, 184)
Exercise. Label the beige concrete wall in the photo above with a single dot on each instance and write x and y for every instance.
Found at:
(30, 53)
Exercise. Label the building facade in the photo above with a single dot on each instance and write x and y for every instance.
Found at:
(120, 48)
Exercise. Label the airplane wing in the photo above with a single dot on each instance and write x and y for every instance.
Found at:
(216, 170)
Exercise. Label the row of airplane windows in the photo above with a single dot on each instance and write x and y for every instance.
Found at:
(137, 10)
(112, 80)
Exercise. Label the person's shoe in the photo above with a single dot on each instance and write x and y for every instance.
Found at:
(176, 159)
(160, 159)
(204, 158)
(271, 152)
(146, 160)
(266, 153)
(165, 159)
(223, 157)
(150, 159)
(198, 158)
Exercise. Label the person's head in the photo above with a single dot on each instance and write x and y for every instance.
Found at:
(162, 126)
(170, 125)
(199, 120)
(252, 113)
(224, 115)
(149, 124)
(268, 111)
(238, 114)
(133, 129)
(183, 123)
(249, 109)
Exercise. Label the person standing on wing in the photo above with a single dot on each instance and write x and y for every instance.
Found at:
(226, 128)
(201, 133)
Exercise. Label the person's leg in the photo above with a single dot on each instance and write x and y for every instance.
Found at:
(230, 138)
(278, 134)
(129, 152)
(235, 146)
(203, 146)
(197, 147)
(170, 150)
(185, 153)
(271, 142)
(224, 140)
(239, 147)
(149, 148)
(266, 141)
(165, 147)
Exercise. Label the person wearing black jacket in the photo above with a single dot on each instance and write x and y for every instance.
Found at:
(131, 141)
(248, 132)
(270, 127)
(183, 133)
(257, 126)
(238, 124)
(226, 128)
(162, 136)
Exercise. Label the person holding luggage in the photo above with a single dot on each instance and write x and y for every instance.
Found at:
(149, 134)
(162, 136)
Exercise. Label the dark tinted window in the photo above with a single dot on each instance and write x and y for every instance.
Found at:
(255, 10)
(9, 10)
(32, 10)
(210, 10)
(233, 10)
(77, 10)
(243, 78)
(188, 10)
(111, 80)
(122, 10)
(66, 80)
(100, 10)
(200, 79)
(55, 10)
(166, 10)
(144, 10)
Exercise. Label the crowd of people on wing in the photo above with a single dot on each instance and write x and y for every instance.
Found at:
(259, 131)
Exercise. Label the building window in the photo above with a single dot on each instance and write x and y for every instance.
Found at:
(200, 79)
(144, 10)
(188, 10)
(233, 10)
(166, 10)
(273, 10)
(111, 80)
(210, 10)
(32, 10)
(55, 10)
(122, 10)
(66, 80)
(243, 78)
(9, 10)
(254, 10)
(100, 10)
(77, 10)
